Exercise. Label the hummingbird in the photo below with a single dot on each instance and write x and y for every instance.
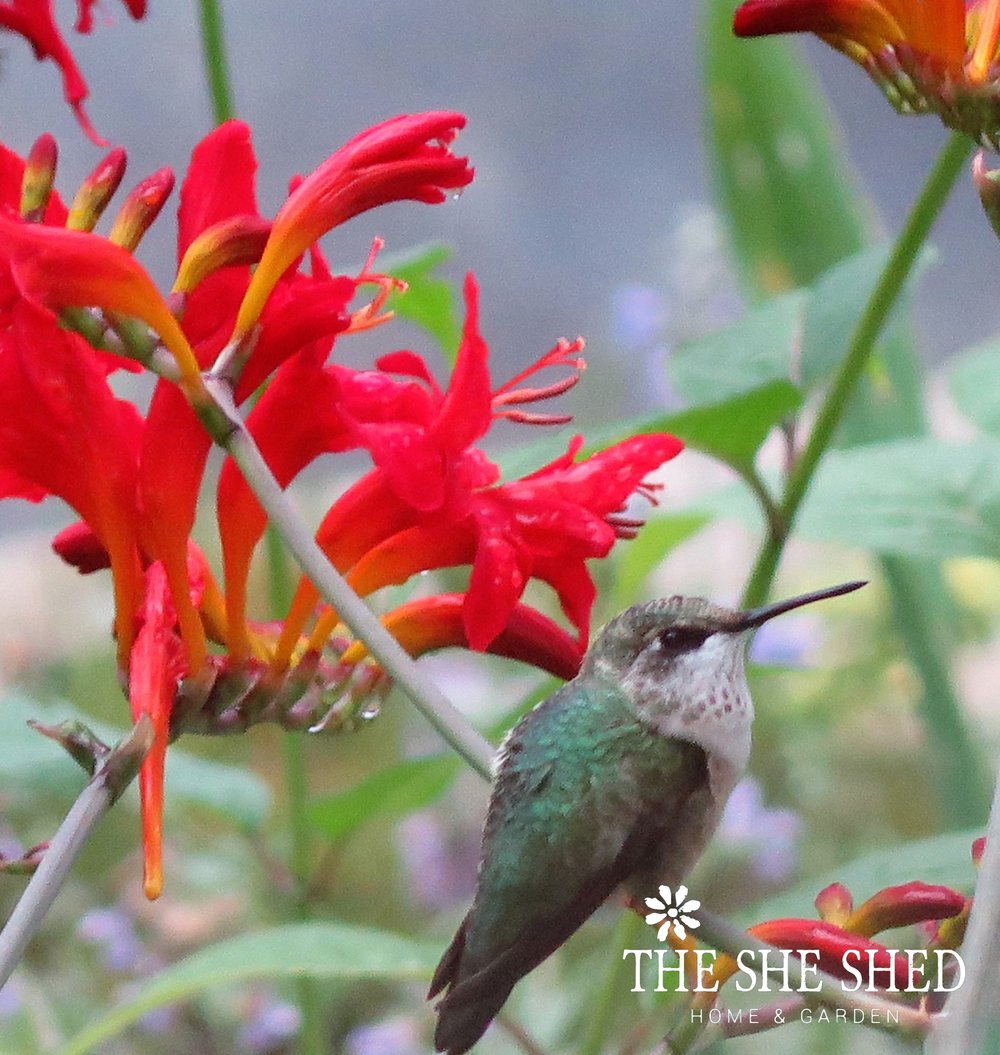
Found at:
(618, 778)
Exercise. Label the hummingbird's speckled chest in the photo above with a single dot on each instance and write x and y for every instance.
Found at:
(692, 686)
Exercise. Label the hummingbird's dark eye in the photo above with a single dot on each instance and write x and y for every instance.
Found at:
(677, 639)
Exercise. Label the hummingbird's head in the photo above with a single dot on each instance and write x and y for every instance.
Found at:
(684, 650)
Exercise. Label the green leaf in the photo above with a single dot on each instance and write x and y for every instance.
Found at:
(647, 550)
(790, 200)
(943, 859)
(733, 430)
(743, 357)
(428, 301)
(31, 762)
(920, 498)
(394, 791)
(228, 790)
(316, 950)
(838, 300)
(975, 385)
(406, 786)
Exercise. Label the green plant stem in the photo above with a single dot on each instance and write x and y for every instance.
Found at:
(606, 999)
(308, 992)
(884, 297)
(958, 763)
(213, 48)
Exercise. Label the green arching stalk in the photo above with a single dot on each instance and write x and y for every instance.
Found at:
(603, 1007)
(308, 994)
(213, 48)
(904, 256)
(960, 767)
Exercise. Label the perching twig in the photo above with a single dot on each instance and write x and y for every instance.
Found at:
(102, 791)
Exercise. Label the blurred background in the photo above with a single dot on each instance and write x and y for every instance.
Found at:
(590, 214)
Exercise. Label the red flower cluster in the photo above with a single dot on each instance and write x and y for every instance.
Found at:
(35, 21)
(939, 912)
(255, 299)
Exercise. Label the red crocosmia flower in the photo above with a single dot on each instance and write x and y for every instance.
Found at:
(406, 157)
(433, 623)
(900, 906)
(842, 937)
(35, 21)
(926, 55)
(190, 654)
(434, 500)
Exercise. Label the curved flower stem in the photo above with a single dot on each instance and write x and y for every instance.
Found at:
(111, 778)
(884, 297)
(727, 937)
(216, 64)
(453, 726)
(972, 1013)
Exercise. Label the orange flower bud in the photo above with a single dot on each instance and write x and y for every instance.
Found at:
(96, 192)
(39, 177)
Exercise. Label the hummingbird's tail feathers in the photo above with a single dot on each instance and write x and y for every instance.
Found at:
(463, 1019)
(477, 992)
(447, 970)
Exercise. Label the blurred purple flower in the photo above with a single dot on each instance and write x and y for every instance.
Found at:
(786, 642)
(113, 931)
(640, 315)
(158, 1022)
(269, 1027)
(768, 836)
(440, 866)
(10, 999)
(394, 1036)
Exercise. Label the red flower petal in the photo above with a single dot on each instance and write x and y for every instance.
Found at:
(466, 411)
(402, 158)
(833, 944)
(901, 906)
(63, 432)
(433, 623)
(220, 183)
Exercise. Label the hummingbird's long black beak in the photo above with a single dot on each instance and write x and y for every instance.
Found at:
(756, 616)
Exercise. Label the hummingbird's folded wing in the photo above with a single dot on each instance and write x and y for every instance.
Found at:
(582, 802)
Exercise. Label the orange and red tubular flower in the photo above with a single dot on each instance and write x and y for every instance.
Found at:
(154, 667)
(404, 158)
(433, 623)
(59, 269)
(926, 55)
(900, 906)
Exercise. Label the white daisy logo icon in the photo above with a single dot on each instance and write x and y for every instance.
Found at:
(673, 912)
